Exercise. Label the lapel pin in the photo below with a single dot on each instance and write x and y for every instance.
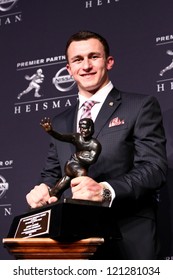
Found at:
(111, 104)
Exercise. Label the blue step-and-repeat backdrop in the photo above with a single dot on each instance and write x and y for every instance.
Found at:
(33, 34)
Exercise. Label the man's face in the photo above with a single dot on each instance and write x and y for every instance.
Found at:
(88, 65)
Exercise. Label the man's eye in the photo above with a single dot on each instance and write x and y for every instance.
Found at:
(77, 60)
(94, 56)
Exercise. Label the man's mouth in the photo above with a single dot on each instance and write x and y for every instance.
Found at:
(88, 75)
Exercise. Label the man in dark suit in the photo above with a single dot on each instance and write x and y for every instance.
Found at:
(132, 165)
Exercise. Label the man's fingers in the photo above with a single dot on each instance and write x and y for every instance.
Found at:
(52, 199)
(38, 196)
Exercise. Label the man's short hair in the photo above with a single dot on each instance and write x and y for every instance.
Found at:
(86, 35)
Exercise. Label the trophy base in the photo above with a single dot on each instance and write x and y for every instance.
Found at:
(69, 220)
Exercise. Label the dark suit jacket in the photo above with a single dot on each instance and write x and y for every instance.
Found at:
(133, 161)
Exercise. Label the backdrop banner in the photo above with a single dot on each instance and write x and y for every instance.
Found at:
(34, 83)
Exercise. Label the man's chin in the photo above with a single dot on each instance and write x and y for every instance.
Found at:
(91, 88)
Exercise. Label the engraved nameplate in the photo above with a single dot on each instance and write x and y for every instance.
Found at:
(33, 225)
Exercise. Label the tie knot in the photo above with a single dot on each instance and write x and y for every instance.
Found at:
(87, 105)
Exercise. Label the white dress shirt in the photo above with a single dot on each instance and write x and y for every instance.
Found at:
(99, 97)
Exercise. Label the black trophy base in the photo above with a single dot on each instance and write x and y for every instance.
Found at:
(69, 220)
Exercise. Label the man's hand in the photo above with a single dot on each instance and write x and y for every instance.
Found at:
(39, 196)
(84, 187)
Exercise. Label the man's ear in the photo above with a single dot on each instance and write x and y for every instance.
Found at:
(110, 62)
(68, 69)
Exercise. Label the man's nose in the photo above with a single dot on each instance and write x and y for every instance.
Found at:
(87, 63)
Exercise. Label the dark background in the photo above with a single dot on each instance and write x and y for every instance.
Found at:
(139, 34)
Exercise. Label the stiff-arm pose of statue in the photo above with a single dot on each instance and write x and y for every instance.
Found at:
(87, 152)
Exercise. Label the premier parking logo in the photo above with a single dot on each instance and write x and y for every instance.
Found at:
(165, 73)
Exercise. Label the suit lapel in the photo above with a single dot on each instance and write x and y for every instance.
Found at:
(75, 117)
(109, 106)
(71, 119)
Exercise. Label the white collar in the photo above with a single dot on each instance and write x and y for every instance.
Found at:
(99, 96)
